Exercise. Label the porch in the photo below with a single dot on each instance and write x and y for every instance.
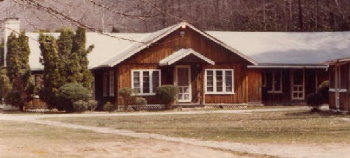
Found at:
(185, 69)
(290, 86)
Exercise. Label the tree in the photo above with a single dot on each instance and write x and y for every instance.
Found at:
(18, 69)
(65, 61)
(81, 62)
(52, 76)
(65, 44)
(2, 54)
(5, 83)
(12, 58)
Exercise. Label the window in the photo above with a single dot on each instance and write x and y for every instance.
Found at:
(111, 83)
(274, 81)
(219, 81)
(105, 84)
(145, 82)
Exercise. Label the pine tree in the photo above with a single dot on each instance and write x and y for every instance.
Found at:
(65, 44)
(65, 61)
(52, 77)
(18, 69)
(2, 54)
(80, 52)
(12, 58)
(5, 83)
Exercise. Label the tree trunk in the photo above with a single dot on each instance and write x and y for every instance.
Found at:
(301, 23)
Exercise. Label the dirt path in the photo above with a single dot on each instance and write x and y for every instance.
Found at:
(137, 148)
(280, 150)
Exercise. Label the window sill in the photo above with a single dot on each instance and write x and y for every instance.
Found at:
(145, 94)
(339, 90)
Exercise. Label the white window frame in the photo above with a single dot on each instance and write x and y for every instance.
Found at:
(111, 83)
(141, 80)
(273, 90)
(223, 80)
(105, 84)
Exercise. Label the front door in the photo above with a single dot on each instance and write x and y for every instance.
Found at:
(298, 85)
(183, 81)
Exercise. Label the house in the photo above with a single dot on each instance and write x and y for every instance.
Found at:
(339, 85)
(210, 67)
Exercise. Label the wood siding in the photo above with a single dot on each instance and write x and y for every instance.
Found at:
(339, 87)
(313, 78)
(224, 59)
(254, 86)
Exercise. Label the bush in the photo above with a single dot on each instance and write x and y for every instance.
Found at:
(323, 89)
(70, 93)
(315, 100)
(92, 105)
(127, 96)
(167, 94)
(80, 106)
(109, 107)
(140, 101)
(14, 98)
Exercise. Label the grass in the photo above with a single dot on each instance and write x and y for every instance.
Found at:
(36, 141)
(265, 127)
(28, 140)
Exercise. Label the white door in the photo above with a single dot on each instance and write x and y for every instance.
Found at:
(298, 85)
(183, 81)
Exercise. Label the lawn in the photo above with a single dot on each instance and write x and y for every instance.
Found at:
(262, 127)
(36, 141)
(19, 140)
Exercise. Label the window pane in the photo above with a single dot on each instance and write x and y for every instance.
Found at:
(183, 78)
(278, 76)
(298, 77)
(210, 81)
(111, 83)
(155, 80)
(146, 82)
(228, 81)
(219, 81)
(136, 81)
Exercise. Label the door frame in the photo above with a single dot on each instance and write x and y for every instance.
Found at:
(292, 85)
(189, 81)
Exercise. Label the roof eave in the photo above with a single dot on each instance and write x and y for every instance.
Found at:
(289, 66)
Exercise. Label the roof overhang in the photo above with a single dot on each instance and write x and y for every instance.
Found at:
(182, 53)
(338, 61)
(146, 44)
(288, 66)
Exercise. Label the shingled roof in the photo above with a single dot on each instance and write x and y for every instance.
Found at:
(258, 48)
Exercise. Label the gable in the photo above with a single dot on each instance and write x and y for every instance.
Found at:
(183, 37)
(169, 40)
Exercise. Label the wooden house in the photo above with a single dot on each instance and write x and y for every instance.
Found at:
(210, 67)
(339, 84)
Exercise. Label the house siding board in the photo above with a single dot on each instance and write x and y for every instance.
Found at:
(254, 86)
(279, 98)
(124, 75)
(98, 76)
(344, 99)
(332, 100)
(240, 86)
(285, 97)
(344, 85)
(150, 57)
